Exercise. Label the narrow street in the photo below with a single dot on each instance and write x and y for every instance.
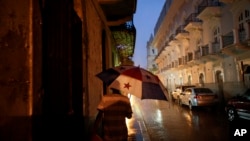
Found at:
(167, 121)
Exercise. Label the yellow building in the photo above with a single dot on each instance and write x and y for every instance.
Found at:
(204, 43)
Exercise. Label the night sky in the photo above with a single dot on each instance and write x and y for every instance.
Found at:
(145, 18)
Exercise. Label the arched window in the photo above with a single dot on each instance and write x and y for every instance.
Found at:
(216, 34)
(243, 17)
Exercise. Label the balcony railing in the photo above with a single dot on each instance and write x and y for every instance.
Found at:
(228, 39)
(190, 56)
(215, 47)
(171, 38)
(197, 55)
(172, 65)
(180, 29)
(184, 58)
(208, 3)
(176, 63)
(192, 18)
(242, 35)
(204, 50)
(169, 66)
(180, 61)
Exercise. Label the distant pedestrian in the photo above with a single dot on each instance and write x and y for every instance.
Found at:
(113, 109)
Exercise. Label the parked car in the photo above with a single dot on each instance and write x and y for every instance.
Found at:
(198, 96)
(178, 90)
(239, 107)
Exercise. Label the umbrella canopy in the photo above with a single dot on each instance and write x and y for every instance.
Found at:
(134, 80)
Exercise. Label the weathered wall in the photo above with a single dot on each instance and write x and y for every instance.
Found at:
(21, 90)
(15, 68)
(94, 56)
(14, 59)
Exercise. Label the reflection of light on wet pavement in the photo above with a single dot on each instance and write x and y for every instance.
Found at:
(130, 122)
(188, 118)
(192, 119)
(158, 115)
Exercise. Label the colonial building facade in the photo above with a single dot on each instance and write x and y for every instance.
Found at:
(151, 54)
(204, 43)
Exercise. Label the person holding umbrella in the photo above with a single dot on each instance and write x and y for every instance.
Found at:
(113, 109)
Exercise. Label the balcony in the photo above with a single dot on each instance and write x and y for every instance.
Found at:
(192, 22)
(216, 51)
(204, 50)
(213, 54)
(119, 15)
(216, 48)
(197, 54)
(242, 35)
(190, 59)
(160, 53)
(172, 40)
(204, 54)
(228, 39)
(210, 11)
(228, 45)
(208, 8)
(118, 12)
(243, 39)
(181, 33)
(180, 63)
(237, 47)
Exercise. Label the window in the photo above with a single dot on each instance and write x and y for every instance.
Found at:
(246, 13)
(243, 17)
(216, 34)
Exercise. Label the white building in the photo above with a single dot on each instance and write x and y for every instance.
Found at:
(151, 54)
(204, 43)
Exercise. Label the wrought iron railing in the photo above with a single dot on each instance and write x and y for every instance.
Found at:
(180, 61)
(192, 18)
(171, 38)
(216, 47)
(197, 55)
(181, 29)
(242, 35)
(208, 3)
(228, 39)
(189, 56)
(204, 50)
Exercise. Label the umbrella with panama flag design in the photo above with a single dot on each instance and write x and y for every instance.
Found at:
(134, 80)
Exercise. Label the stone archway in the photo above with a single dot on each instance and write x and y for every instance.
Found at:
(189, 80)
(201, 79)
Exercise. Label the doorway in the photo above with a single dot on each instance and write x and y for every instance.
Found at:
(219, 81)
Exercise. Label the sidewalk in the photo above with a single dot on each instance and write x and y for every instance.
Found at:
(136, 125)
